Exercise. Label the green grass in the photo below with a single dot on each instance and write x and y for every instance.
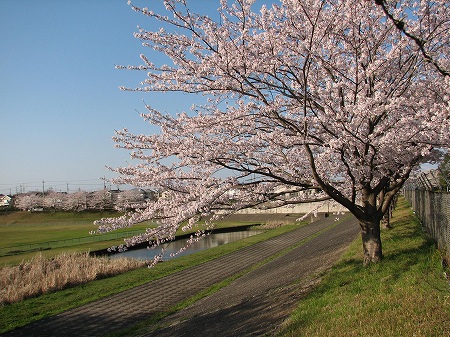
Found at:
(405, 295)
(64, 228)
(61, 228)
(29, 228)
(18, 314)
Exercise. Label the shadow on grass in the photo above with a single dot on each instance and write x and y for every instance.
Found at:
(409, 258)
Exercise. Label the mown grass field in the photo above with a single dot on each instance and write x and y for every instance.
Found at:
(26, 228)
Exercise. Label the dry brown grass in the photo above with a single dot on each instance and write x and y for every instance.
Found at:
(41, 275)
(272, 224)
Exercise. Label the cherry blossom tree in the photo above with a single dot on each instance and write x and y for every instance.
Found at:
(28, 201)
(129, 199)
(431, 36)
(52, 200)
(304, 100)
(100, 200)
(76, 201)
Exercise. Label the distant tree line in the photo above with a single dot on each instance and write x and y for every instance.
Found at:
(82, 201)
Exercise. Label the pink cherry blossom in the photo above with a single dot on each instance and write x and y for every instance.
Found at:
(307, 100)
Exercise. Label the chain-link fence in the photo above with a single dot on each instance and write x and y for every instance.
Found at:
(433, 210)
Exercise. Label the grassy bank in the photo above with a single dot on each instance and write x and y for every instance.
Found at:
(405, 295)
(24, 233)
(67, 232)
(27, 311)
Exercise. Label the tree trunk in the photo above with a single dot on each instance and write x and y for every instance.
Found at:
(371, 240)
(386, 221)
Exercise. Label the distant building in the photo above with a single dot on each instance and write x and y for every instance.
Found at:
(135, 194)
(5, 200)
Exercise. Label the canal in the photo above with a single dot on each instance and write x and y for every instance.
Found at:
(209, 241)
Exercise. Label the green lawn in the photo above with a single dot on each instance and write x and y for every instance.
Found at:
(25, 227)
(66, 231)
(405, 295)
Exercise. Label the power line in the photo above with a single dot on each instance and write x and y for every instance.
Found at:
(56, 185)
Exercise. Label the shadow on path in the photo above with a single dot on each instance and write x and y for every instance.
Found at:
(251, 305)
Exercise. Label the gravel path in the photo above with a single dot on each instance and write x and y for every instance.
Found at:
(257, 303)
(253, 305)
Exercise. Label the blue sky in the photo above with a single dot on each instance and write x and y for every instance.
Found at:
(59, 96)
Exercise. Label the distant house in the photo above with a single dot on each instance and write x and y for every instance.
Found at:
(5, 200)
(151, 194)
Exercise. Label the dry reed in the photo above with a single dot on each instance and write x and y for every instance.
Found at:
(272, 224)
(41, 275)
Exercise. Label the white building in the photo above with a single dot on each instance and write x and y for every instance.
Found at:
(5, 200)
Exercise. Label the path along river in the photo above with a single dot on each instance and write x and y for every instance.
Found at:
(253, 305)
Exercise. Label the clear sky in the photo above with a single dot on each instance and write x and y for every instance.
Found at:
(59, 96)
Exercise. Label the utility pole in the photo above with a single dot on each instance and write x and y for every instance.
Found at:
(43, 187)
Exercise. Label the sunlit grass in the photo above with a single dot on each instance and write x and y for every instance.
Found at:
(64, 228)
(18, 228)
(405, 295)
(27, 311)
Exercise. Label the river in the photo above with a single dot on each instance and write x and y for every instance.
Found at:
(209, 241)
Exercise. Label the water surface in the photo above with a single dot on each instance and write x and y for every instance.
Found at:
(209, 241)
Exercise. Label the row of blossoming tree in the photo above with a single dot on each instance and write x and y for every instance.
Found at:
(78, 201)
(342, 98)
